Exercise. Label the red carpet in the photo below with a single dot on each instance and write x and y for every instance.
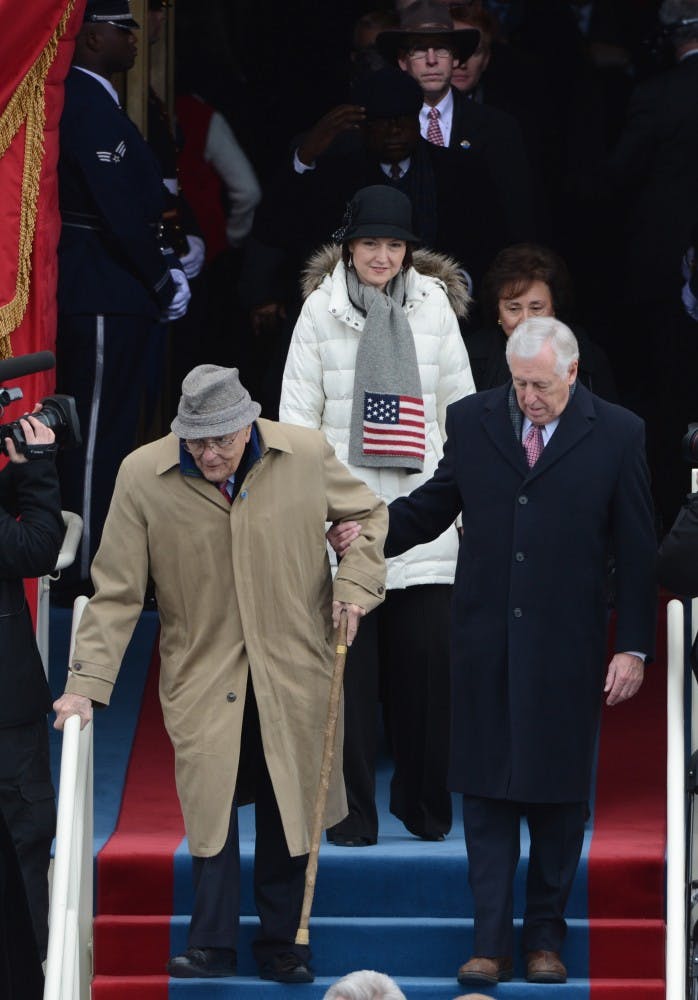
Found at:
(150, 823)
(626, 859)
(625, 867)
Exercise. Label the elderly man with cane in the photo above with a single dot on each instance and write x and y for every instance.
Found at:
(227, 515)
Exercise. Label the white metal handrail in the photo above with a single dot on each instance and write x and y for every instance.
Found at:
(66, 557)
(69, 960)
(676, 910)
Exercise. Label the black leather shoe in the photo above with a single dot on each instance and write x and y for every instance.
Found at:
(203, 963)
(286, 968)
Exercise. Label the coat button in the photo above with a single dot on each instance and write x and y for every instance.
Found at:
(231, 696)
(520, 557)
(77, 666)
(523, 500)
(381, 590)
(518, 612)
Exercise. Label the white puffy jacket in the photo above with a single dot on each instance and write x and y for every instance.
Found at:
(318, 382)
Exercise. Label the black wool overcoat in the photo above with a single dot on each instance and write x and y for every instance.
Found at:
(529, 617)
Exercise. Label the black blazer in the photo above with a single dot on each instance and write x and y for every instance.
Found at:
(29, 547)
(655, 166)
(487, 347)
(497, 138)
(299, 212)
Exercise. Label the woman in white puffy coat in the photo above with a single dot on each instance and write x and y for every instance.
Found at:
(404, 645)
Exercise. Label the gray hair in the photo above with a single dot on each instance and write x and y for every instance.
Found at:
(365, 985)
(673, 12)
(531, 336)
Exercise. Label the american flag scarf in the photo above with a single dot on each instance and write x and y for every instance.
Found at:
(387, 420)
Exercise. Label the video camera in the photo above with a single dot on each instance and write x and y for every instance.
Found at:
(58, 412)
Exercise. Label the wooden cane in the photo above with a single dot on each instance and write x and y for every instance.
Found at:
(328, 751)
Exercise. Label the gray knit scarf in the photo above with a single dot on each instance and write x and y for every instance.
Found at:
(386, 381)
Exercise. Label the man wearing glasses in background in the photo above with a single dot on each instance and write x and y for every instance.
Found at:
(427, 46)
(227, 516)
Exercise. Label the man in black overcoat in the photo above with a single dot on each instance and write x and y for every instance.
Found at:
(31, 532)
(550, 479)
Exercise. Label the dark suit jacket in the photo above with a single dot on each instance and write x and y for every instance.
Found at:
(677, 564)
(655, 166)
(487, 353)
(29, 547)
(529, 616)
(496, 137)
(299, 212)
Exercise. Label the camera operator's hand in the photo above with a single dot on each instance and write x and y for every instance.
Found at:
(34, 433)
(72, 704)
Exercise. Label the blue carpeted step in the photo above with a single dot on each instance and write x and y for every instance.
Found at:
(432, 947)
(427, 878)
(414, 989)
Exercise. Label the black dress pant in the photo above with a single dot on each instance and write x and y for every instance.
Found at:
(21, 976)
(402, 653)
(105, 362)
(279, 879)
(27, 802)
(492, 838)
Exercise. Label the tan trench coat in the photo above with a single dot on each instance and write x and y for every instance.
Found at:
(241, 587)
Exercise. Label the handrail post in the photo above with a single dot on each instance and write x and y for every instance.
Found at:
(69, 959)
(676, 807)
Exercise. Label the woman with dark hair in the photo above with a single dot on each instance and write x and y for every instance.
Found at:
(527, 280)
(375, 359)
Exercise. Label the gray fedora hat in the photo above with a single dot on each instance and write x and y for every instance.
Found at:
(214, 402)
(427, 23)
(377, 211)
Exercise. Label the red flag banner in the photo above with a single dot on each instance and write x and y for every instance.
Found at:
(36, 47)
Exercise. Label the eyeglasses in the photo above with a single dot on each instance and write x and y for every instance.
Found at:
(220, 445)
(418, 52)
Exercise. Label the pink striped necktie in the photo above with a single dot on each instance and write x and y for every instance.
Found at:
(223, 487)
(434, 134)
(533, 444)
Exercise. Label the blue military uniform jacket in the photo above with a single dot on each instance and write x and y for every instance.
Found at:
(111, 199)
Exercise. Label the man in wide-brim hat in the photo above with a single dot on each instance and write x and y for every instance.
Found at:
(427, 24)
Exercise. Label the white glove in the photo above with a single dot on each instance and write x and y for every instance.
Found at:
(193, 261)
(180, 299)
(690, 302)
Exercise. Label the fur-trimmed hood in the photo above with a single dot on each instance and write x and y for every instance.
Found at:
(426, 262)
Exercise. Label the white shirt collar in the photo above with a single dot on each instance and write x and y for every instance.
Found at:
(103, 80)
(404, 166)
(547, 429)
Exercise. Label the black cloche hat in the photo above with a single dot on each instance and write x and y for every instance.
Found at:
(377, 211)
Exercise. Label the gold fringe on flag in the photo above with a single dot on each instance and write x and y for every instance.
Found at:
(27, 107)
